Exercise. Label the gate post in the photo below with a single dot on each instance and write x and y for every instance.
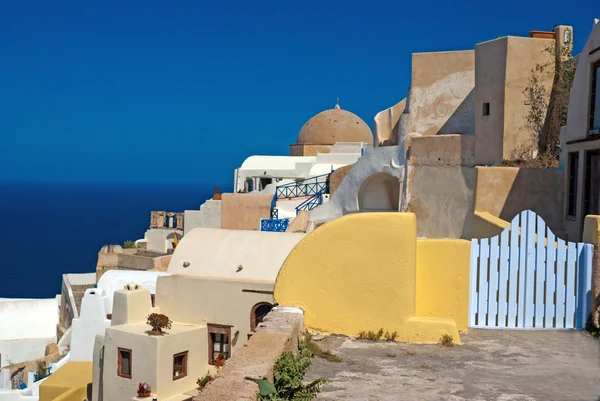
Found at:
(584, 296)
(591, 235)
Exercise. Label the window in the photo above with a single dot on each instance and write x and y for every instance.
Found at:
(219, 342)
(180, 365)
(572, 190)
(153, 299)
(259, 311)
(595, 99)
(124, 363)
(486, 109)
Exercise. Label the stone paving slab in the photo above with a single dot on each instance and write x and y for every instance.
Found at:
(498, 365)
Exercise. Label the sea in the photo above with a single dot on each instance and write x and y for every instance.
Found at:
(47, 229)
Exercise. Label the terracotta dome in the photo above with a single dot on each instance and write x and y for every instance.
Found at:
(335, 125)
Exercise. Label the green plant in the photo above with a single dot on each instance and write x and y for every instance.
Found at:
(591, 328)
(204, 380)
(289, 372)
(548, 109)
(158, 322)
(446, 340)
(128, 244)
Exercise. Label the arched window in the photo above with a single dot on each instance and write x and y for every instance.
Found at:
(259, 311)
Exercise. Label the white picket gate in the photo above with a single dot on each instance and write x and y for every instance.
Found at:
(527, 278)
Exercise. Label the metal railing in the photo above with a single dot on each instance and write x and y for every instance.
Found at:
(310, 203)
(305, 187)
(277, 225)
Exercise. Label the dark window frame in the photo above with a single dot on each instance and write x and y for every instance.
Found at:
(214, 328)
(593, 100)
(184, 365)
(572, 184)
(120, 363)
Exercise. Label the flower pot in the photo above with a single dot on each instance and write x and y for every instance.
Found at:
(146, 394)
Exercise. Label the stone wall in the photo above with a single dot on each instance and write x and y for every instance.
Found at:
(442, 199)
(244, 211)
(442, 150)
(279, 332)
(113, 257)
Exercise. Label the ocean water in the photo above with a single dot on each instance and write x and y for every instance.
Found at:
(53, 228)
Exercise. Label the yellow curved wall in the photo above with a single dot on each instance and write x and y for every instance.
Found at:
(69, 383)
(358, 273)
(443, 273)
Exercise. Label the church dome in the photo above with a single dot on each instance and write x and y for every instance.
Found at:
(335, 125)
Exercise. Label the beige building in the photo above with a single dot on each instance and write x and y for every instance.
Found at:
(580, 139)
(478, 92)
(220, 288)
(464, 109)
(127, 354)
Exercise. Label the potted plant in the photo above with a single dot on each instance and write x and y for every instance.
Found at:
(158, 322)
(202, 382)
(177, 369)
(144, 390)
(220, 360)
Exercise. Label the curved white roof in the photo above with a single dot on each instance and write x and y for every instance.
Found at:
(275, 162)
(115, 280)
(217, 253)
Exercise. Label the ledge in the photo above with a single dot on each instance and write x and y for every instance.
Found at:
(279, 332)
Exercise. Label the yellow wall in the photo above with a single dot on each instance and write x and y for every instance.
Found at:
(69, 383)
(443, 279)
(358, 273)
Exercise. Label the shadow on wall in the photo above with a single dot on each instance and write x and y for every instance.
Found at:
(380, 192)
(506, 191)
(462, 121)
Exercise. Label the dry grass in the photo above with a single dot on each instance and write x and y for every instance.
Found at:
(542, 161)
(376, 336)
(447, 340)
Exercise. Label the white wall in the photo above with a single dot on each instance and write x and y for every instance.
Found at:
(156, 239)
(26, 327)
(91, 321)
(208, 216)
(115, 280)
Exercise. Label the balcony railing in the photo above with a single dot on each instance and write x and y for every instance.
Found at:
(277, 225)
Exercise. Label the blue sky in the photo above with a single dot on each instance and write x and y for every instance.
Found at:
(183, 91)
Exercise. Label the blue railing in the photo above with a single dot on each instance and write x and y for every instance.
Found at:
(277, 225)
(310, 203)
(313, 187)
(305, 187)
